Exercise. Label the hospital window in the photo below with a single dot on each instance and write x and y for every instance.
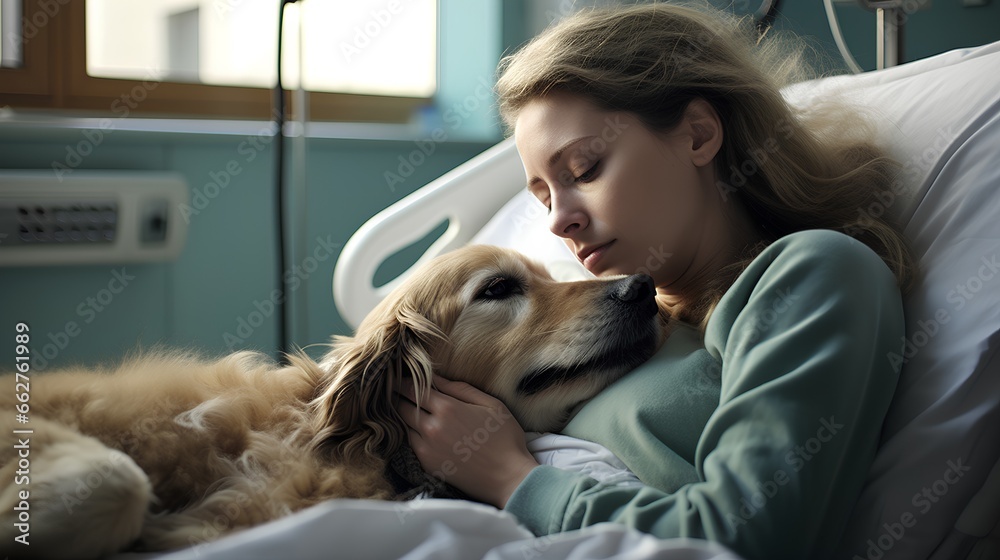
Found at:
(363, 60)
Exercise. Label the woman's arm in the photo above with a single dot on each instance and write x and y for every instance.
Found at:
(809, 337)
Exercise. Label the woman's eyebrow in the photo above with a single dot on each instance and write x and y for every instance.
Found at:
(556, 155)
(559, 153)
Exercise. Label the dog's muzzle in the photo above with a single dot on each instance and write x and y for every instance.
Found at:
(636, 291)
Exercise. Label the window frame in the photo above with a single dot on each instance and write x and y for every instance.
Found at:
(33, 77)
(54, 75)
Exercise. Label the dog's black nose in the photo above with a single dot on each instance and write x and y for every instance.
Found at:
(633, 289)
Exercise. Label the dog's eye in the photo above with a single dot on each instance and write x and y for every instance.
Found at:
(500, 288)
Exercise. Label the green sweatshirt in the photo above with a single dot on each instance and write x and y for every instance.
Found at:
(760, 438)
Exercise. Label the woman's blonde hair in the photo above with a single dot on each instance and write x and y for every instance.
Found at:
(792, 170)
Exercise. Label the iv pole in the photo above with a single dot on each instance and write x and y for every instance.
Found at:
(888, 31)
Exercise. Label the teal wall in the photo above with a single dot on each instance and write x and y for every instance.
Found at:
(225, 271)
(226, 267)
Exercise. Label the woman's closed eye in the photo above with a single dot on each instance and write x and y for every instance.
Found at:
(590, 174)
(547, 203)
(585, 177)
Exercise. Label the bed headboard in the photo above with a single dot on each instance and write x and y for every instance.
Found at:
(467, 196)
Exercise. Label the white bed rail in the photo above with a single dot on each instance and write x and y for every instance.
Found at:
(467, 196)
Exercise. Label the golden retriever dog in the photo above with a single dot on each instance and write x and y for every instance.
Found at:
(169, 449)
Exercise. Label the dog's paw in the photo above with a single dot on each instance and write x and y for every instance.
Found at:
(85, 500)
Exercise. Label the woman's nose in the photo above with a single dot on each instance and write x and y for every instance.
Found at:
(566, 217)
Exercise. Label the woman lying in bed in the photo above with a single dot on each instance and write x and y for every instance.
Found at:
(658, 139)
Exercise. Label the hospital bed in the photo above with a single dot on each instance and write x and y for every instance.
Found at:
(940, 117)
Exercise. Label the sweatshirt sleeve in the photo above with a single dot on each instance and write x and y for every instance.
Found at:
(809, 338)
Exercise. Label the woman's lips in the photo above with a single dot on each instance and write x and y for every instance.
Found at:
(590, 259)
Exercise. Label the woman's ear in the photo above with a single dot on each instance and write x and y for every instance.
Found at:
(355, 415)
(705, 128)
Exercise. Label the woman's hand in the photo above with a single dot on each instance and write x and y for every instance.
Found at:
(468, 439)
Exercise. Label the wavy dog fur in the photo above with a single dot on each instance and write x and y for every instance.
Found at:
(170, 449)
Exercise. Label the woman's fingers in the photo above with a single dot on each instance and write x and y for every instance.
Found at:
(406, 389)
(465, 437)
(444, 392)
(409, 412)
(465, 392)
(420, 419)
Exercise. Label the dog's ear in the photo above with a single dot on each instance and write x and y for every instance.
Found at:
(355, 412)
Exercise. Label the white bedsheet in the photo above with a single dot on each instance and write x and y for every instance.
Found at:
(591, 459)
(436, 529)
(452, 529)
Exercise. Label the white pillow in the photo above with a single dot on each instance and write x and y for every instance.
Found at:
(942, 432)
(941, 119)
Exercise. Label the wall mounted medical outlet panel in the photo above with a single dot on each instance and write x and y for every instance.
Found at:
(91, 217)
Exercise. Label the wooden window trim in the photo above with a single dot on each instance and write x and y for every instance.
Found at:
(54, 76)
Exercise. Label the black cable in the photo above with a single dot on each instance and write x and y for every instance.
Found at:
(281, 304)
